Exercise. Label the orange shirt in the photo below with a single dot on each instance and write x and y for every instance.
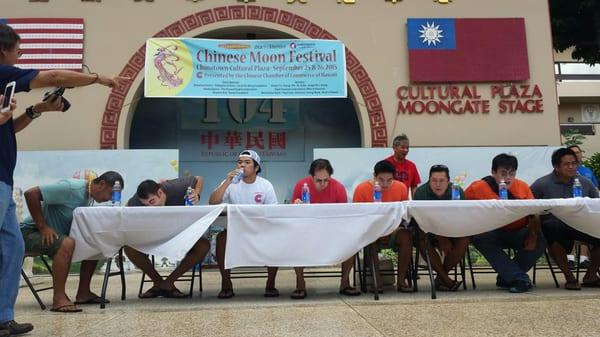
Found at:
(396, 192)
(480, 190)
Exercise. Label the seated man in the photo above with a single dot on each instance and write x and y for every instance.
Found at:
(401, 239)
(46, 231)
(251, 189)
(559, 235)
(168, 193)
(323, 189)
(521, 235)
(439, 188)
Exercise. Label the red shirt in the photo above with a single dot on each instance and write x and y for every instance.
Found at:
(335, 192)
(406, 172)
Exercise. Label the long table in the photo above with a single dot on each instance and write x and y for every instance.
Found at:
(306, 234)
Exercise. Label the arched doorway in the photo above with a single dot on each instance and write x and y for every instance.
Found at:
(208, 133)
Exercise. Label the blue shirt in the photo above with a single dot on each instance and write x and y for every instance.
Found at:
(8, 141)
(588, 173)
(59, 202)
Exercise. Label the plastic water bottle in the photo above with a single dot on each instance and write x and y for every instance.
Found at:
(455, 192)
(116, 194)
(188, 196)
(577, 189)
(503, 190)
(238, 177)
(376, 192)
(305, 194)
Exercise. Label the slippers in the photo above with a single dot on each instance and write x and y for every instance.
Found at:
(151, 293)
(350, 291)
(574, 285)
(66, 309)
(271, 292)
(298, 294)
(226, 293)
(405, 289)
(173, 293)
(93, 300)
(592, 284)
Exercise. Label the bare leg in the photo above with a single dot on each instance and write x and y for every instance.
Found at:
(61, 264)
(86, 272)
(404, 241)
(272, 273)
(225, 273)
(346, 268)
(560, 257)
(142, 261)
(300, 283)
(436, 262)
(195, 255)
(590, 275)
(456, 254)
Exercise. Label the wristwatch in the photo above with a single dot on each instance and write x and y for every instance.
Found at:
(32, 113)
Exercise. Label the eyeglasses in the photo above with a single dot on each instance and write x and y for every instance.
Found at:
(319, 181)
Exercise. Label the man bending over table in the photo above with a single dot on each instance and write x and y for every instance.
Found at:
(46, 231)
(168, 193)
(401, 239)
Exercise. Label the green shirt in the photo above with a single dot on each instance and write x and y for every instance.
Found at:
(424, 192)
(58, 202)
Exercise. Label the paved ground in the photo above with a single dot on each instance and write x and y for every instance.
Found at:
(546, 311)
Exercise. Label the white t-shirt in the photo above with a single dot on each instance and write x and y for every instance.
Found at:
(259, 192)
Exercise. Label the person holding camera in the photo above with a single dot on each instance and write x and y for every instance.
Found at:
(11, 240)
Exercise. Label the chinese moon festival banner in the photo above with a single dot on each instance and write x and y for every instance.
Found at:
(205, 68)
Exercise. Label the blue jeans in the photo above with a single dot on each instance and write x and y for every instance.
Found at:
(492, 244)
(12, 250)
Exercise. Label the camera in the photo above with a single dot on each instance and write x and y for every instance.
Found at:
(55, 94)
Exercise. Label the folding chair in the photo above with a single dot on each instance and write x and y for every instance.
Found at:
(108, 274)
(34, 290)
(183, 278)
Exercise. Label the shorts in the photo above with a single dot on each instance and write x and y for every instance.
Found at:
(565, 235)
(34, 246)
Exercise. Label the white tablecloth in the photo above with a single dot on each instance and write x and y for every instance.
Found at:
(469, 217)
(305, 235)
(164, 231)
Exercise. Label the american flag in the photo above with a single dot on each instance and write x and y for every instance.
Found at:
(49, 43)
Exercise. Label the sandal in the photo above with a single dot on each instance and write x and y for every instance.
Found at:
(271, 292)
(66, 309)
(173, 293)
(93, 300)
(573, 285)
(298, 294)
(350, 291)
(226, 293)
(592, 284)
(151, 293)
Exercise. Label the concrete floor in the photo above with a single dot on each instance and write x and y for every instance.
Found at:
(546, 311)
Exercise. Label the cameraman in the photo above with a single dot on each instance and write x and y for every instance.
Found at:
(11, 240)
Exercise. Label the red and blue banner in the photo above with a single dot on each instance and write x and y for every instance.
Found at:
(467, 50)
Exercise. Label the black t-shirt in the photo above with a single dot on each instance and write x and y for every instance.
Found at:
(8, 140)
(175, 190)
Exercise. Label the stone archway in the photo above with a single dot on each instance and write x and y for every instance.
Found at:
(116, 99)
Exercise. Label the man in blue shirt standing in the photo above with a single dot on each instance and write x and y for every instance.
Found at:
(11, 240)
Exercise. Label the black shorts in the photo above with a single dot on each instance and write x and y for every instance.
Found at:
(565, 235)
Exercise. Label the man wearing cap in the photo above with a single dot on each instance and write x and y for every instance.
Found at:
(252, 190)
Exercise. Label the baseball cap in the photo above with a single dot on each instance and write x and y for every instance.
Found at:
(251, 154)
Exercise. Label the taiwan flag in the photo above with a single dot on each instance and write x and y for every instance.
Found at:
(467, 50)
